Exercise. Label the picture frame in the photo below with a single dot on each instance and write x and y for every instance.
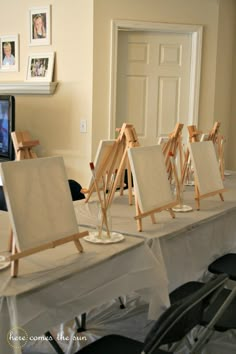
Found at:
(40, 67)
(9, 58)
(40, 25)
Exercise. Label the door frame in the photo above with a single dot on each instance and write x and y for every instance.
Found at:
(196, 33)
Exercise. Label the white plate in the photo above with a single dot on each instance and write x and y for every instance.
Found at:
(182, 208)
(3, 263)
(93, 238)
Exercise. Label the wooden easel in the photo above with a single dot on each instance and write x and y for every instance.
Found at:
(194, 136)
(106, 163)
(172, 147)
(151, 153)
(218, 141)
(17, 255)
(199, 196)
(139, 215)
(214, 132)
(23, 145)
(127, 138)
(206, 175)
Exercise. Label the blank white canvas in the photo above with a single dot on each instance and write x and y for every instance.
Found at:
(106, 149)
(39, 201)
(206, 167)
(150, 177)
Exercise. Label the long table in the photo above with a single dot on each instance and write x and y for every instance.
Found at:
(155, 261)
(186, 244)
(55, 285)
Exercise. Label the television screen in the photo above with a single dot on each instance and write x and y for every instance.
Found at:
(7, 125)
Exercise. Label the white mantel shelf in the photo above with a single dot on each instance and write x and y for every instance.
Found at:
(27, 88)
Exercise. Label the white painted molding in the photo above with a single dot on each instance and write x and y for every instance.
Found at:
(27, 88)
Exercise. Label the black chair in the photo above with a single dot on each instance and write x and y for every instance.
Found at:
(75, 189)
(3, 205)
(224, 264)
(220, 316)
(174, 324)
(227, 321)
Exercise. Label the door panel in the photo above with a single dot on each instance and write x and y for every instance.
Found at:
(153, 78)
(167, 104)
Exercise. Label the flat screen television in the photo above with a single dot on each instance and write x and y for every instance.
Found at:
(7, 125)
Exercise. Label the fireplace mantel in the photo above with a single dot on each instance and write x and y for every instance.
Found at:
(27, 88)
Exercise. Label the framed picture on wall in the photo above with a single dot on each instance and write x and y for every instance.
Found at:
(9, 59)
(40, 67)
(40, 25)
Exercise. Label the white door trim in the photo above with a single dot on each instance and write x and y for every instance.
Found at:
(196, 33)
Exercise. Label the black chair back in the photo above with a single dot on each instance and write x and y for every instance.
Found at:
(75, 189)
(181, 317)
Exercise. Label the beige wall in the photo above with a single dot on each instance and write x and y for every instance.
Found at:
(54, 120)
(81, 38)
(224, 74)
(232, 130)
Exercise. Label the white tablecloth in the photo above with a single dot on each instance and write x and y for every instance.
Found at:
(55, 285)
(183, 247)
(186, 244)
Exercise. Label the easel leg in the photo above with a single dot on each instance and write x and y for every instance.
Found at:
(197, 196)
(91, 190)
(117, 179)
(129, 184)
(78, 246)
(139, 221)
(171, 213)
(10, 242)
(153, 218)
(221, 197)
(221, 157)
(185, 167)
(122, 177)
(14, 264)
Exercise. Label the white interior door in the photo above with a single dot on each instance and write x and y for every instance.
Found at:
(153, 82)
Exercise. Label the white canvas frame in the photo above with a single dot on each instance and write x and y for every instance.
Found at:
(103, 151)
(151, 184)
(206, 167)
(39, 201)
